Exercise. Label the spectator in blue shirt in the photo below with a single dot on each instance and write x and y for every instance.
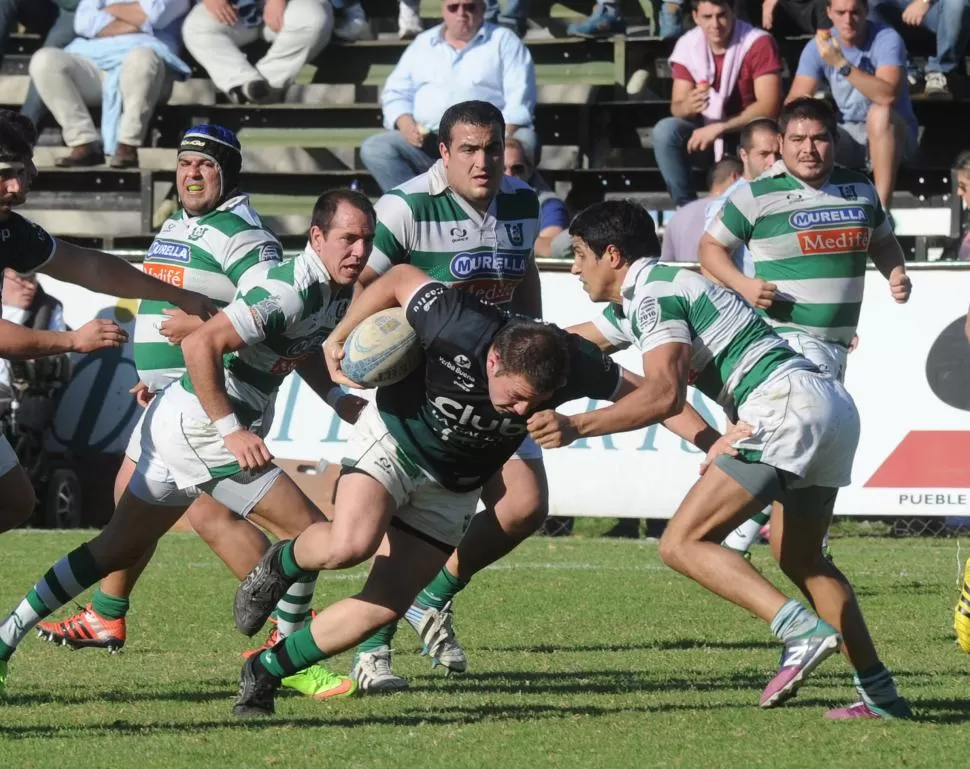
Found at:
(462, 59)
(864, 63)
(553, 214)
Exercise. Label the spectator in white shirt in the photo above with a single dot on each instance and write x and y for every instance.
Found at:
(462, 59)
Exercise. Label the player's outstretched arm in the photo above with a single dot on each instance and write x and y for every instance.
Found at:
(588, 331)
(661, 395)
(21, 343)
(107, 274)
(693, 428)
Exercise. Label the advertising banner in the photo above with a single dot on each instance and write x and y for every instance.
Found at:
(910, 377)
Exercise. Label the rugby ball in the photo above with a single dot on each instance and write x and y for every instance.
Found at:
(382, 350)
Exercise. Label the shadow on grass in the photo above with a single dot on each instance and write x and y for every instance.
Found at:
(125, 697)
(679, 644)
(591, 682)
(454, 716)
(926, 711)
(897, 589)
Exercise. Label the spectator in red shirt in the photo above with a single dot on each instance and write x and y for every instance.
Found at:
(726, 74)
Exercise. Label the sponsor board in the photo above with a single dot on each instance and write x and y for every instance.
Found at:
(910, 378)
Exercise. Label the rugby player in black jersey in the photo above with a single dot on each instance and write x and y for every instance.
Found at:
(423, 450)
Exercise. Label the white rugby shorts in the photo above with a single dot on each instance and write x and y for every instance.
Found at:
(423, 504)
(181, 457)
(805, 424)
(830, 357)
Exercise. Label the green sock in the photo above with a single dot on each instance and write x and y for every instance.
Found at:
(288, 562)
(382, 637)
(443, 588)
(109, 606)
(297, 652)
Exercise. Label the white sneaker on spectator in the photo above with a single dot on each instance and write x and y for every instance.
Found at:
(355, 25)
(937, 86)
(408, 21)
(373, 674)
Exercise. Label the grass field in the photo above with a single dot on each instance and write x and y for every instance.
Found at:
(583, 652)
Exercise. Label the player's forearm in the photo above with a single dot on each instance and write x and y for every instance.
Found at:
(716, 260)
(203, 361)
(527, 299)
(887, 255)
(21, 343)
(104, 273)
(313, 371)
(654, 401)
(693, 428)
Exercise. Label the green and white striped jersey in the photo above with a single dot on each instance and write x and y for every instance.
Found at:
(289, 314)
(215, 254)
(812, 243)
(424, 223)
(733, 351)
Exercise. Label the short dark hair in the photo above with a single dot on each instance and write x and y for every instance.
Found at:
(723, 169)
(808, 108)
(729, 4)
(962, 163)
(758, 124)
(535, 351)
(623, 224)
(865, 3)
(325, 209)
(476, 113)
(17, 136)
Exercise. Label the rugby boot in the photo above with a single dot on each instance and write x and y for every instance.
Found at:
(800, 656)
(86, 629)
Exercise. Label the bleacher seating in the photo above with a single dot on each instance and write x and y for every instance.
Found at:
(590, 130)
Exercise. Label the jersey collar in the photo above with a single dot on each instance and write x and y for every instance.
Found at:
(780, 169)
(242, 199)
(314, 264)
(632, 279)
(438, 185)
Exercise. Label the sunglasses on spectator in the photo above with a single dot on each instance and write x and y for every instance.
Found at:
(466, 7)
(517, 169)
